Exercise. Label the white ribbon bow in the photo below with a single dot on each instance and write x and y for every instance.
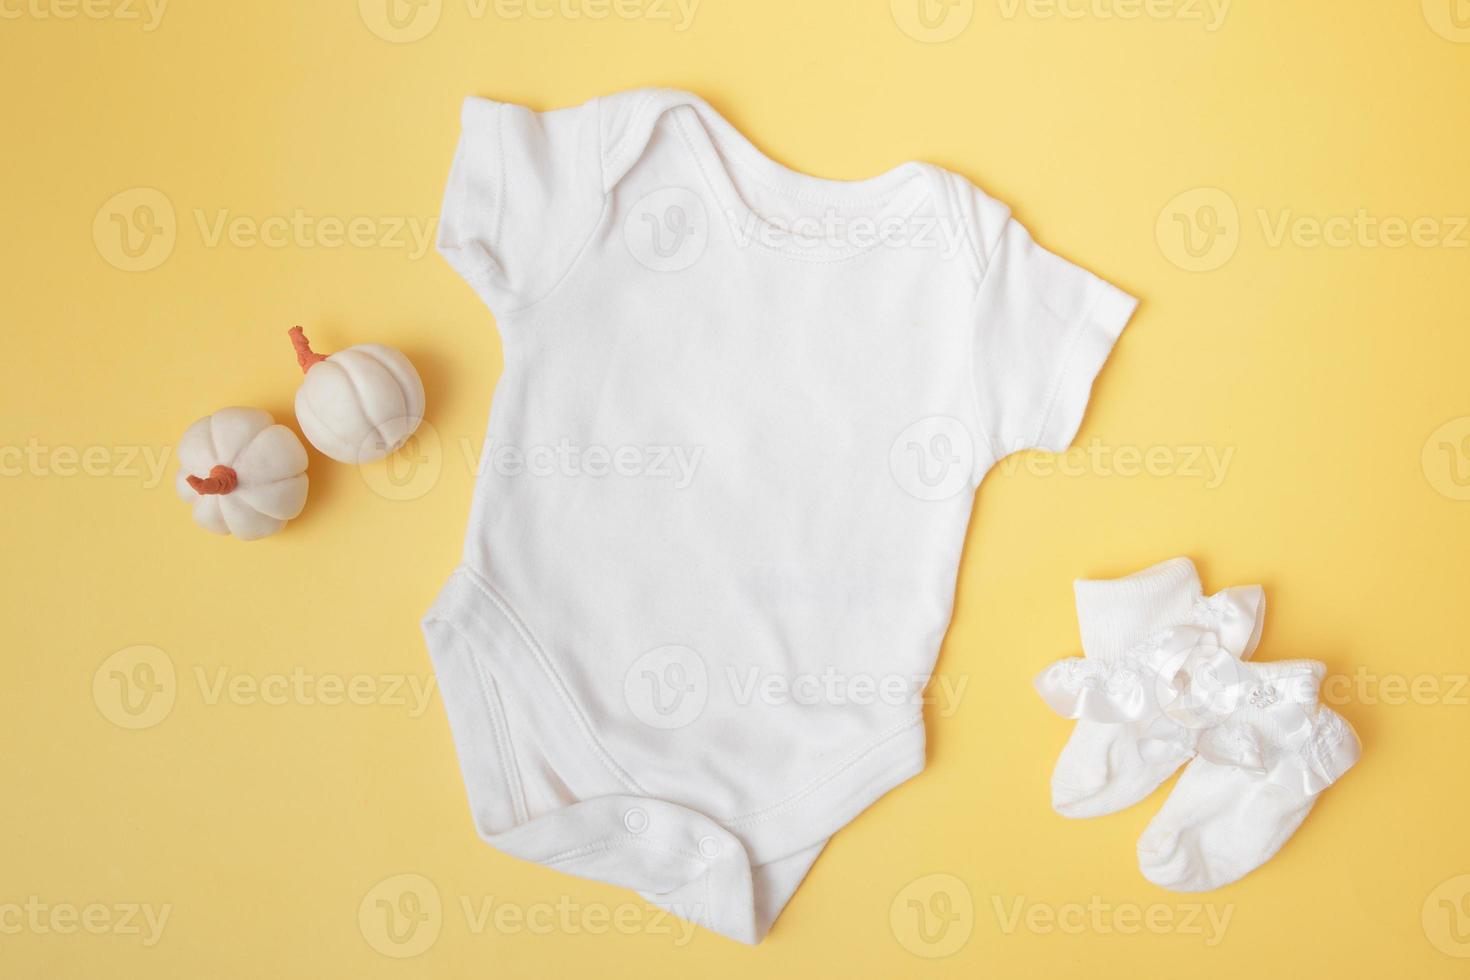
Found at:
(1183, 674)
(1310, 756)
(1169, 687)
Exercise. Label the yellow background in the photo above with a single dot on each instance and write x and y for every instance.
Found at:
(266, 828)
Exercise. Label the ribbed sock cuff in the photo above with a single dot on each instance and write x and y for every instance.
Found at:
(1115, 614)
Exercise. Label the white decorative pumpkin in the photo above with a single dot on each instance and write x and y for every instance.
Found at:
(244, 474)
(359, 404)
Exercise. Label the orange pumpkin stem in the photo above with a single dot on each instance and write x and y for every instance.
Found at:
(221, 480)
(305, 356)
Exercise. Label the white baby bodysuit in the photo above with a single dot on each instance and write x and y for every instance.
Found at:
(729, 468)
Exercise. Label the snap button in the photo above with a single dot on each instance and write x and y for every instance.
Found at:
(636, 820)
(709, 847)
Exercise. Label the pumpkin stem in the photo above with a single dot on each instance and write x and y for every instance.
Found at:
(305, 356)
(221, 480)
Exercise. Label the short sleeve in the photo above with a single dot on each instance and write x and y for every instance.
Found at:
(524, 193)
(1043, 327)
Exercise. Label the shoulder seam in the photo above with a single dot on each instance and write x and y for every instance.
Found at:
(983, 267)
(601, 213)
(614, 154)
(499, 177)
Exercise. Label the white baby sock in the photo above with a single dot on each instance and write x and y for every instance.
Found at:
(1257, 775)
(1137, 721)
